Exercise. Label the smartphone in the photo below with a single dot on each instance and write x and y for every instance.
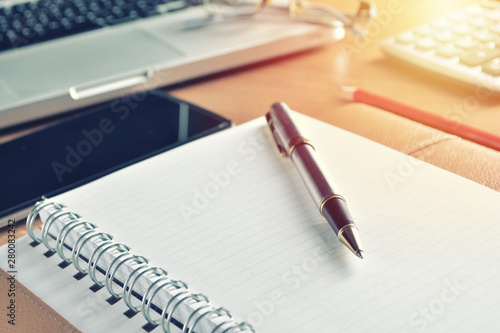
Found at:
(96, 142)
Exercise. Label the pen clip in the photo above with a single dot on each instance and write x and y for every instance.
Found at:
(277, 140)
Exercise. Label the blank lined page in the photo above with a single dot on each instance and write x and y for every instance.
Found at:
(232, 219)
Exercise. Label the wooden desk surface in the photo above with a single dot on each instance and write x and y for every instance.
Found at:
(308, 81)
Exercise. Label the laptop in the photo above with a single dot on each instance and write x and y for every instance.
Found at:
(172, 43)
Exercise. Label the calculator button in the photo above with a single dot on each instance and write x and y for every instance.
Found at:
(424, 30)
(441, 23)
(492, 67)
(484, 36)
(466, 43)
(478, 57)
(445, 36)
(462, 29)
(490, 4)
(406, 38)
(426, 44)
(478, 23)
(457, 17)
(493, 15)
(473, 11)
(495, 28)
(448, 51)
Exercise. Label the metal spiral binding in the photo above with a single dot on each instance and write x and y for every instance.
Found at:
(34, 213)
(128, 289)
(61, 237)
(92, 234)
(106, 246)
(166, 318)
(146, 302)
(159, 278)
(110, 274)
(50, 221)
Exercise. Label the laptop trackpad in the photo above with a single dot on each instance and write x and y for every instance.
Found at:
(75, 61)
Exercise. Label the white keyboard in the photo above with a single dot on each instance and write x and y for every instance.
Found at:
(463, 45)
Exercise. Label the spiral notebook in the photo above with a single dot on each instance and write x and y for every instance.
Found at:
(220, 235)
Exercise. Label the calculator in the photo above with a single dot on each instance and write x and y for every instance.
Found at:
(463, 46)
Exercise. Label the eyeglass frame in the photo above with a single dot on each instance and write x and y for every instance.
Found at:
(331, 16)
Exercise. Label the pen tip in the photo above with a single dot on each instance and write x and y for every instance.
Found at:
(360, 254)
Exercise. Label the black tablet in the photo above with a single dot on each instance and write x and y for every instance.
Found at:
(94, 143)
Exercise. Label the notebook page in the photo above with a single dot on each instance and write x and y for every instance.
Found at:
(235, 222)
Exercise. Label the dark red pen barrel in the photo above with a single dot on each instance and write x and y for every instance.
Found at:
(315, 179)
(322, 190)
(336, 213)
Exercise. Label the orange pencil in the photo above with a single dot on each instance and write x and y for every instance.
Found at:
(446, 125)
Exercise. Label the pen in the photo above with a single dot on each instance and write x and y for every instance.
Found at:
(446, 125)
(301, 151)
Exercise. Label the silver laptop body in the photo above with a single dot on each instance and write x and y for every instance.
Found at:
(52, 77)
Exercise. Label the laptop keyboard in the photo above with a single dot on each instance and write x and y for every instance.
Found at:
(33, 22)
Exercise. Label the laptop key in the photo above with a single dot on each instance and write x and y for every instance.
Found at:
(4, 42)
(113, 20)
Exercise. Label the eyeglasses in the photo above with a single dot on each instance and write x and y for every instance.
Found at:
(325, 13)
